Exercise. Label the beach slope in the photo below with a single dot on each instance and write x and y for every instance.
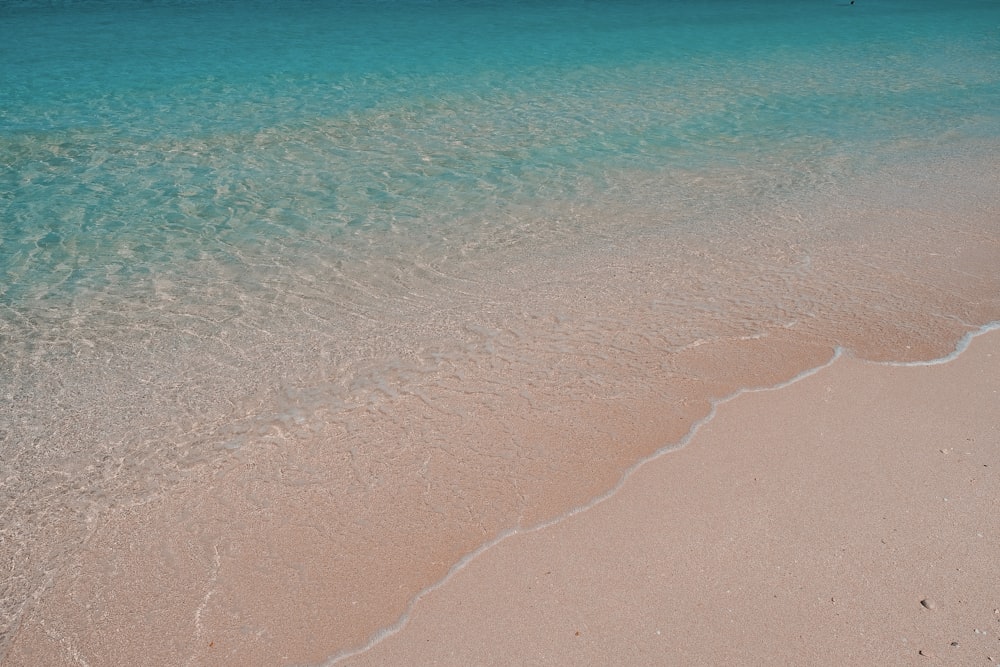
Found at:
(849, 518)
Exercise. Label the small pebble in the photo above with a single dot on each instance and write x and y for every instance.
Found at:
(926, 654)
(928, 603)
(954, 643)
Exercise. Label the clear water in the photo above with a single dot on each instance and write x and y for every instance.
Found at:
(226, 225)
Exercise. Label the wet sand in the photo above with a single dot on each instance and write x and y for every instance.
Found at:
(793, 527)
(849, 518)
(799, 525)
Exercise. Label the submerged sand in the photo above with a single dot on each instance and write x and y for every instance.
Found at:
(847, 518)
(850, 518)
(296, 536)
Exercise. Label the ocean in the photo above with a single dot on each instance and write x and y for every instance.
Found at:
(305, 302)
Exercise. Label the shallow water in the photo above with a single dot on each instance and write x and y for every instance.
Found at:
(408, 274)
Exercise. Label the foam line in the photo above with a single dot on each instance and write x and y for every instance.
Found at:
(960, 347)
(388, 631)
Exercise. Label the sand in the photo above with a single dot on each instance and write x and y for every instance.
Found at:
(850, 518)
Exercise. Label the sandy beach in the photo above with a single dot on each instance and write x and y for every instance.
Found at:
(849, 518)
(414, 333)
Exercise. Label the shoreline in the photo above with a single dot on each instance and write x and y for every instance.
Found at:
(307, 315)
(489, 586)
(307, 529)
(397, 627)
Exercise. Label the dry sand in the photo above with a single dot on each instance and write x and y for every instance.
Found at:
(852, 518)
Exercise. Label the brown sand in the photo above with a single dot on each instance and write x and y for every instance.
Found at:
(803, 526)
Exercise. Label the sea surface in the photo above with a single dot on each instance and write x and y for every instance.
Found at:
(408, 275)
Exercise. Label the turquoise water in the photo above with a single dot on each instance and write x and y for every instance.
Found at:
(220, 221)
(229, 124)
